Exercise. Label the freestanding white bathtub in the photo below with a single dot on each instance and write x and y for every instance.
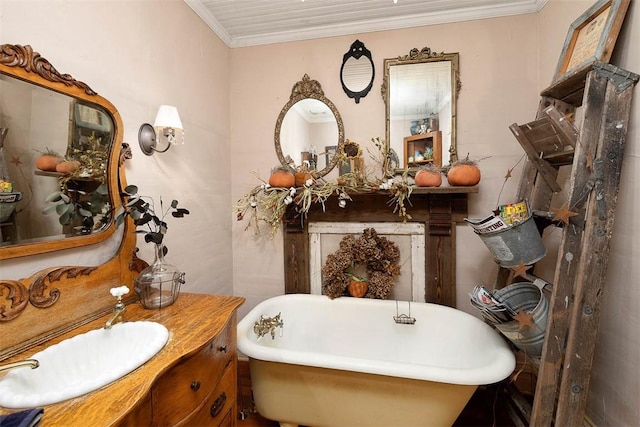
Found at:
(346, 362)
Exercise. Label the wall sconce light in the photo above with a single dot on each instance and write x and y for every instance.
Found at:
(167, 124)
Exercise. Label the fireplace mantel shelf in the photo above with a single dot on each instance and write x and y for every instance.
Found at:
(447, 189)
(438, 208)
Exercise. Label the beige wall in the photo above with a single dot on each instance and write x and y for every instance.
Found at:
(499, 73)
(504, 63)
(229, 101)
(141, 54)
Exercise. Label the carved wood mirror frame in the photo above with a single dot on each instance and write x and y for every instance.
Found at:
(22, 63)
(58, 299)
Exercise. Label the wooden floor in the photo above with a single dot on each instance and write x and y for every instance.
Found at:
(485, 409)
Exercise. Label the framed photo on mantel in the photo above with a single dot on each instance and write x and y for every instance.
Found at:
(591, 38)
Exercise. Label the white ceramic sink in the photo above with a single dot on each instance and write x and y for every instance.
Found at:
(82, 364)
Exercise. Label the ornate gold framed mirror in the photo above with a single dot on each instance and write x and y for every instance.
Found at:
(420, 92)
(309, 126)
(43, 110)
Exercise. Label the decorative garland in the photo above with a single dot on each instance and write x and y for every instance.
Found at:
(378, 255)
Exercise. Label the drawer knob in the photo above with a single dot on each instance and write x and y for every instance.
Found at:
(195, 386)
(218, 404)
(223, 348)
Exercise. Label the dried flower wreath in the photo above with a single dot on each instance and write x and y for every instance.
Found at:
(377, 254)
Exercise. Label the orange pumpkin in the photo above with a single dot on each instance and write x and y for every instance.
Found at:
(67, 166)
(302, 177)
(464, 174)
(428, 178)
(357, 288)
(282, 178)
(48, 162)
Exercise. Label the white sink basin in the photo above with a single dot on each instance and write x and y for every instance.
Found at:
(82, 364)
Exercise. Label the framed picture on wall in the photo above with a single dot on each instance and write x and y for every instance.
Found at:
(591, 38)
(329, 153)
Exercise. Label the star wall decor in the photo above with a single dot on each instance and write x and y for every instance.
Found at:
(508, 175)
(16, 161)
(524, 319)
(521, 270)
(563, 214)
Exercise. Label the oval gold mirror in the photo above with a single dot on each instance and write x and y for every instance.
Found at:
(71, 200)
(308, 128)
(420, 91)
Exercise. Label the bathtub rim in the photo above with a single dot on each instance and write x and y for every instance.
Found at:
(502, 365)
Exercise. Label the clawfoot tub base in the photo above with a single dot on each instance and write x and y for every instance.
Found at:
(304, 395)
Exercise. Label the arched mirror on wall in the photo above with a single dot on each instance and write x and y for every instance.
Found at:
(420, 92)
(309, 129)
(67, 203)
(357, 71)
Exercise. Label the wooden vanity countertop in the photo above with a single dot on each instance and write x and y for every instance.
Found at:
(192, 320)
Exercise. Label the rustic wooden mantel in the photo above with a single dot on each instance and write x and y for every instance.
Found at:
(439, 209)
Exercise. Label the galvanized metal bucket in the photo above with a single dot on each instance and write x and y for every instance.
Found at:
(520, 242)
(528, 297)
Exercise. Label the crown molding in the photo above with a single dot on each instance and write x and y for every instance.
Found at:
(212, 22)
(393, 23)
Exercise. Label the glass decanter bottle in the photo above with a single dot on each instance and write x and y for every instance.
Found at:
(158, 285)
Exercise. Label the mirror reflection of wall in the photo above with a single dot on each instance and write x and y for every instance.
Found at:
(308, 127)
(420, 102)
(40, 121)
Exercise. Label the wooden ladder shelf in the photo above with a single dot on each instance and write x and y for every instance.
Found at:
(595, 153)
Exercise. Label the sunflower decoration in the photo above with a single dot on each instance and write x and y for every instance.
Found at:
(351, 154)
(378, 256)
(351, 150)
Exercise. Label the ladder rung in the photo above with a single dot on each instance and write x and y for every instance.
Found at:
(559, 158)
(566, 129)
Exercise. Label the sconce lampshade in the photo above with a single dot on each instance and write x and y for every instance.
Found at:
(168, 117)
(167, 125)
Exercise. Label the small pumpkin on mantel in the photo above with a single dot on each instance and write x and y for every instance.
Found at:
(303, 175)
(428, 176)
(357, 287)
(68, 166)
(282, 177)
(464, 173)
(48, 161)
(302, 178)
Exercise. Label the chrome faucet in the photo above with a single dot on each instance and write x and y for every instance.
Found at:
(118, 311)
(33, 363)
(268, 325)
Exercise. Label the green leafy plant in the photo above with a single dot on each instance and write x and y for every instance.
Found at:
(142, 210)
(73, 205)
(351, 272)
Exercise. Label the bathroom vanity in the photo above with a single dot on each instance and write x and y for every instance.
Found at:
(191, 381)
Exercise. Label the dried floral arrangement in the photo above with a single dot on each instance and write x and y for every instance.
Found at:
(266, 204)
(90, 209)
(378, 255)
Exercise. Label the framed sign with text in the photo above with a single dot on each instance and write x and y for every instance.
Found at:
(591, 38)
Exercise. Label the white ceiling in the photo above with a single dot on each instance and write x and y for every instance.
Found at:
(254, 22)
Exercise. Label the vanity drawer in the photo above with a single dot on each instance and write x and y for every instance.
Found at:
(185, 387)
(219, 408)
